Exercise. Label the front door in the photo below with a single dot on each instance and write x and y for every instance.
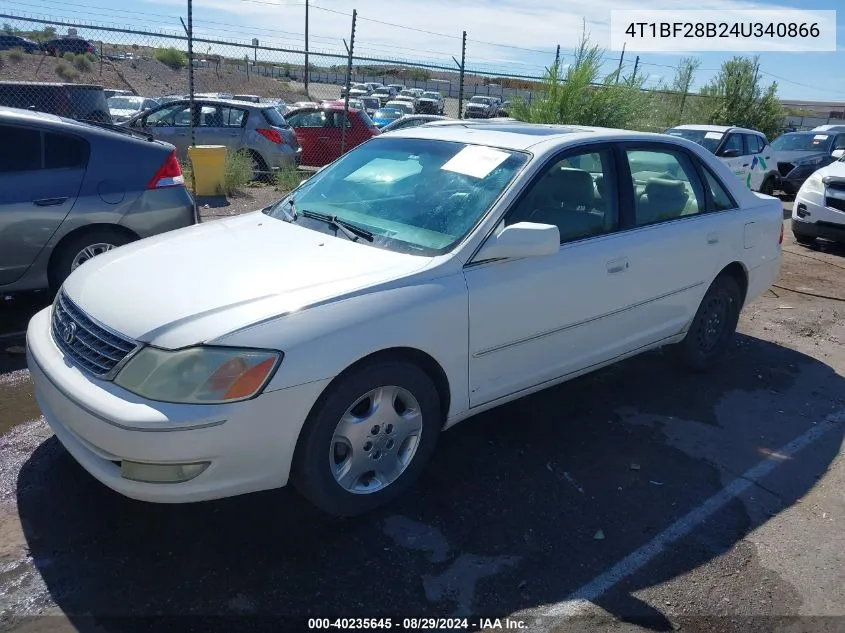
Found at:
(535, 319)
(221, 125)
(171, 124)
(737, 158)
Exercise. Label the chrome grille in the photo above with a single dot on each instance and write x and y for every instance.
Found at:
(88, 344)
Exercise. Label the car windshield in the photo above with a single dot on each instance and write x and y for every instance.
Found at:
(708, 139)
(431, 95)
(803, 142)
(418, 196)
(274, 117)
(125, 103)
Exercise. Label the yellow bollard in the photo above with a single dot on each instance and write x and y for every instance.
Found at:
(209, 165)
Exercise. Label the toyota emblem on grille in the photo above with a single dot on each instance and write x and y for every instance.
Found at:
(69, 333)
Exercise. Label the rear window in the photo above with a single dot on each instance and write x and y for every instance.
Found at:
(74, 102)
(274, 117)
(89, 103)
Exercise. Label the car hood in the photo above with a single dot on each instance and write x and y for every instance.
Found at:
(794, 156)
(433, 100)
(201, 282)
(124, 113)
(478, 105)
(834, 170)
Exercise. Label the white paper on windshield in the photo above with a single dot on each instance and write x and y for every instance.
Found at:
(476, 161)
(820, 137)
(714, 135)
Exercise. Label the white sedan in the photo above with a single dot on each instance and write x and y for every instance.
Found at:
(423, 277)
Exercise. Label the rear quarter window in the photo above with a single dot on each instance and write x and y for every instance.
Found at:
(27, 153)
(64, 152)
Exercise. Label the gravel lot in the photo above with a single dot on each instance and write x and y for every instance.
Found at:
(635, 497)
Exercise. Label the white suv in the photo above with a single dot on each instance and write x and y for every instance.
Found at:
(746, 152)
(819, 207)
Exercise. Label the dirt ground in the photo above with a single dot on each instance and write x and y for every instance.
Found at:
(635, 498)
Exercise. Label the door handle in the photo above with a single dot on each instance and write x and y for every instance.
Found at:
(49, 202)
(746, 164)
(322, 138)
(615, 266)
(712, 238)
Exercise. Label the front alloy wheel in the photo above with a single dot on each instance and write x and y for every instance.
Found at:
(368, 438)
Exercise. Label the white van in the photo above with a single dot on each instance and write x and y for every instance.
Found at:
(746, 152)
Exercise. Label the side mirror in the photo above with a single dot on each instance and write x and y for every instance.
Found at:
(730, 153)
(523, 239)
(838, 153)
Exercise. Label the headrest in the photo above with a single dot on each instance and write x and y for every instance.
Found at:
(576, 185)
(665, 188)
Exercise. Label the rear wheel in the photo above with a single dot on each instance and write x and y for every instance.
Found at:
(79, 249)
(768, 186)
(368, 439)
(713, 326)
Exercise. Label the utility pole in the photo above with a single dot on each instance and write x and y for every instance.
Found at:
(349, 49)
(189, 32)
(306, 47)
(621, 57)
(557, 61)
(636, 65)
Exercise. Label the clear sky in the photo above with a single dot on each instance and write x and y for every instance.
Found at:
(507, 36)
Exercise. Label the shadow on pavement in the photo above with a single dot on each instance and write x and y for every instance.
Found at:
(506, 517)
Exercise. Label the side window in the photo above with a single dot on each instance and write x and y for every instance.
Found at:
(233, 117)
(308, 119)
(722, 200)
(63, 152)
(674, 192)
(27, 149)
(754, 143)
(577, 194)
(734, 142)
(172, 116)
(839, 142)
(335, 120)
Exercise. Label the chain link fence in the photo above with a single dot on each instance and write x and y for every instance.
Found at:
(148, 81)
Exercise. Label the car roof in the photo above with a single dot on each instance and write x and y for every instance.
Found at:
(29, 116)
(829, 128)
(519, 136)
(717, 128)
(231, 102)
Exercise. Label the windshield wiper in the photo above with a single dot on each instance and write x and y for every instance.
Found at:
(350, 230)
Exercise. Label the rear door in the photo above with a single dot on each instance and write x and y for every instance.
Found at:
(221, 125)
(39, 184)
(313, 136)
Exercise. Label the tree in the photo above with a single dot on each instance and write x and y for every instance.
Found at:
(8, 29)
(736, 97)
(581, 96)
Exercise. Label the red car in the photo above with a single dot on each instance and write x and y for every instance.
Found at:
(320, 134)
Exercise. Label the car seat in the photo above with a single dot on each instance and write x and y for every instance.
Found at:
(663, 199)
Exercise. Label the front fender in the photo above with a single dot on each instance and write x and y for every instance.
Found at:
(430, 315)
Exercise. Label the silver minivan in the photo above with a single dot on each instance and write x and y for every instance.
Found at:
(257, 129)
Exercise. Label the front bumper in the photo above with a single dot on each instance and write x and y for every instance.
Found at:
(824, 230)
(249, 444)
(428, 107)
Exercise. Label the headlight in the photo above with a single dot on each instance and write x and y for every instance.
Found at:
(813, 184)
(198, 375)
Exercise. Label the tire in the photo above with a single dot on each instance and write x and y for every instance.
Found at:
(66, 257)
(707, 341)
(330, 475)
(804, 240)
(260, 171)
(768, 186)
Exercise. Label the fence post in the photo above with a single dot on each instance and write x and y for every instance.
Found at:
(189, 31)
(349, 49)
(462, 66)
(306, 49)
(102, 54)
(621, 58)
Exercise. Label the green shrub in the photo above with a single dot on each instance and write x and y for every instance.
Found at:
(238, 172)
(289, 178)
(171, 57)
(16, 54)
(187, 173)
(67, 73)
(68, 57)
(91, 57)
(82, 64)
(2, 62)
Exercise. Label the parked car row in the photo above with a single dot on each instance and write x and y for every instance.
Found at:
(56, 47)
